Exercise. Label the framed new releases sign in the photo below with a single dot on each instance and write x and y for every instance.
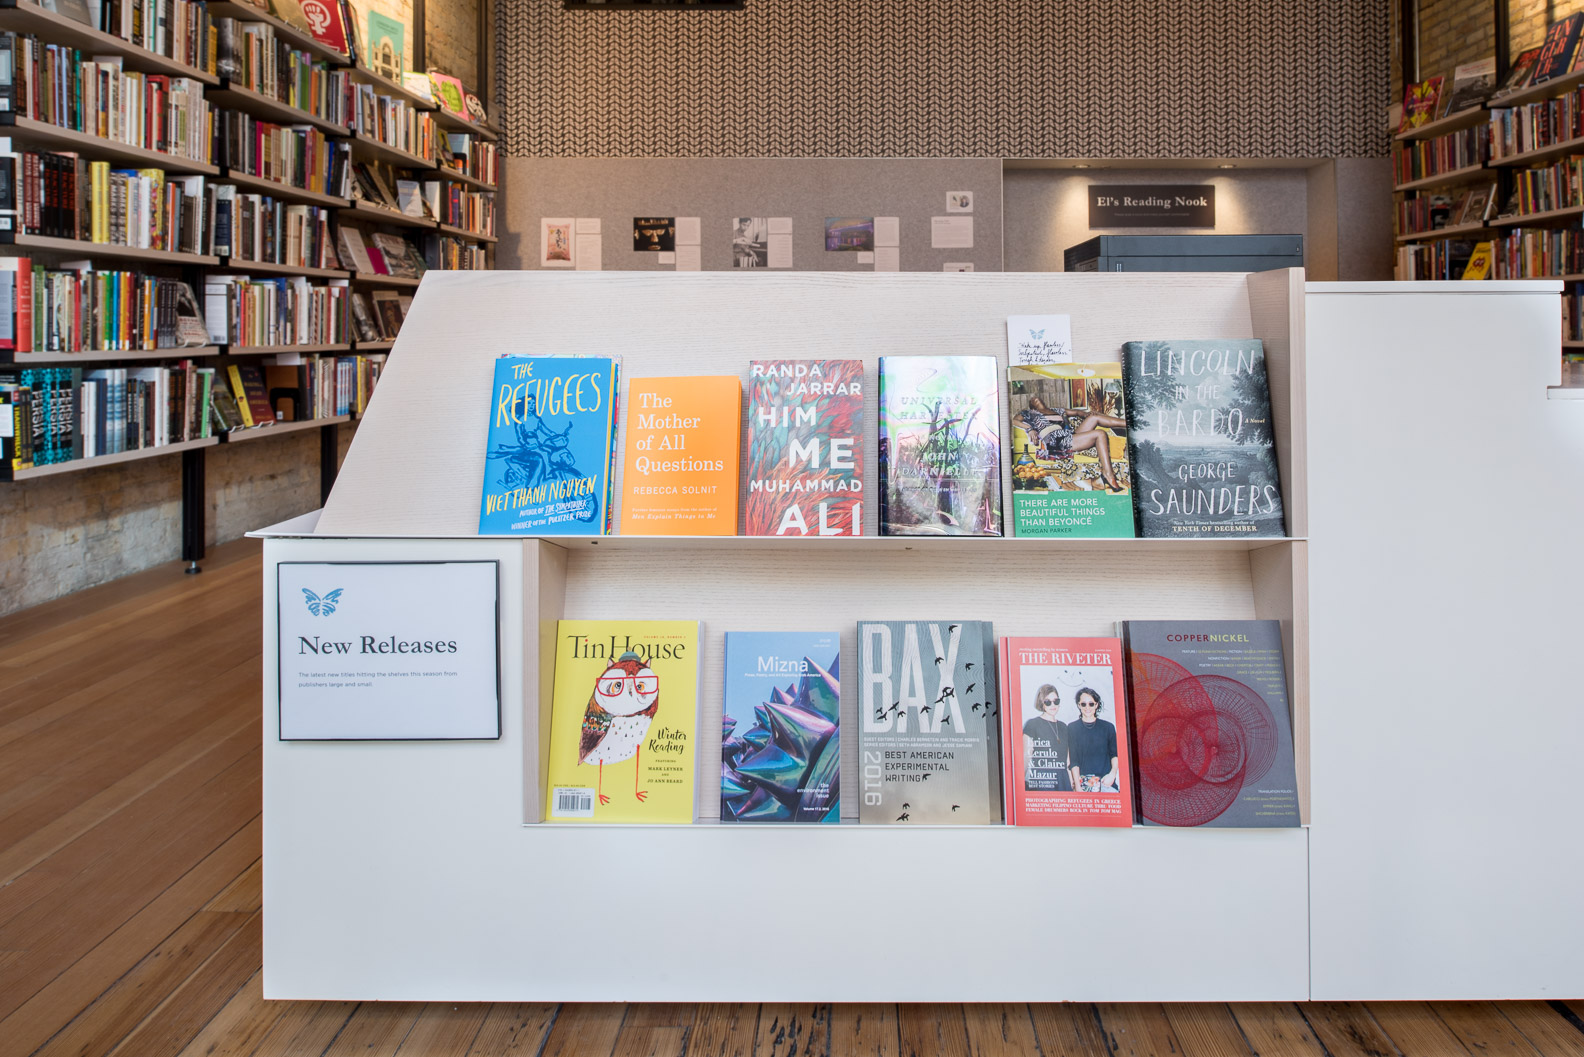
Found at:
(389, 651)
(1151, 206)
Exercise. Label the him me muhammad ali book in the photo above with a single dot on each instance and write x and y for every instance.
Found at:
(547, 462)
(805, 448)
(1064, 732)
(940, 446)
(624, 721)
(1201, 443)
(929, 749)
(1212, 737)
(780, 720)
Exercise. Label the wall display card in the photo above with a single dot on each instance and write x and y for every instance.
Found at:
(684, 443)
(887, 259)
(1152, 206)
(689, 258)
(849, 234)
(388, 651)
(689, 232)
(959, 201)
(751, 242)
(654, 234)
(865, 257)
(780, 743)
(805, 448)
(1064, 733)
(780, 225)
(555, 242)
(951, 233)
(1033, 341)
(887, 231)
(1069, 451)
(780, 247)
(1212, 737)
(929, 742)
(957, 266)
(590, 252)
(588, 225)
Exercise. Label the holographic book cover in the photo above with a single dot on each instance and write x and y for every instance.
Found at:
(805, 448)
(1212, 737)
(548, 456)
(928, 734)
(940, 446)
(780, 720)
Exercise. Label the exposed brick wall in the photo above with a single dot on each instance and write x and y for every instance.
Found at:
(400, 10)
(1452, 32)
(451, 38)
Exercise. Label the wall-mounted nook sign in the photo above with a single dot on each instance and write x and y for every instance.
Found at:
(389, 651)
(1151, 206)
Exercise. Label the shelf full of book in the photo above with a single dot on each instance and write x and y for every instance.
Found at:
(26, 16)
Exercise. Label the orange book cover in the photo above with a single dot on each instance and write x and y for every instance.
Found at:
(684, 439)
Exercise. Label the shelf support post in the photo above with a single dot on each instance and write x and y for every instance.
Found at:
(329, 459)
(192, 515)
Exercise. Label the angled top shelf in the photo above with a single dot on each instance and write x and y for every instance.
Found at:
(24, 16)
(296, 36)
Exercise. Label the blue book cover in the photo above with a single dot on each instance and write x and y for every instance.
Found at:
(780, 751)
(547, 463)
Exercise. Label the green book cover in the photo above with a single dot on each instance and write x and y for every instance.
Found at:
(1069, 451)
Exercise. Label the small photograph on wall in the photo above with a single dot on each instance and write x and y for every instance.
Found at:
(555, 242)
(751, 242)
(387, 46)
(849, 234)
(654, 234)
(959, 201)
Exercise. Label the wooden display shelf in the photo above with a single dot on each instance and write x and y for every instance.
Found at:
(1538, 218)
(1451, 123)
(393, 155)
(1567, 146)
(96, 461)
(1443, 233)
(296, 36)
(385, 280)
(464, 233)
(270, 350)
(464, 178)
(287, 192)
(385, 86)
(1467, 174)
(373, 346)
(1573, 344)
(260, 105)
(364, 210)
(23, 16)
(98, 148)
(237, 436)
(103, 249)
(1550, 89)
(24, 359)
(1005, 546)
(451, 123)
(238, 264)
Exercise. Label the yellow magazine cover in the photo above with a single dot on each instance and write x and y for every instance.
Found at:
(624, 721)
(1479, 263)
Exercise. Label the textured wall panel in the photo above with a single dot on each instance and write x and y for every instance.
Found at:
(948, 78)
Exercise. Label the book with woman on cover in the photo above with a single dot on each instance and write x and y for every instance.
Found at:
(1069, 450)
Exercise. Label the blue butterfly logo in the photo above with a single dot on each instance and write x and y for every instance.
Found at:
(322, 607)
(1036, 334)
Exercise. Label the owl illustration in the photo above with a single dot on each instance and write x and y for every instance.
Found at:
(626, 698)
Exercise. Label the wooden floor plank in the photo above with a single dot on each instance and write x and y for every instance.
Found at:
(237, 1030)
(724, 1029)
(929, 1030)
(999, 1029)
(793, 1030)
(514, 1029)
(444, 1029)
(862, 1030)
(199, 998)
(1481, 1028)
(1207, 1029)
(1137, 1029)
(1415, 1030)
(243, 895)
(653, 1041)
(305, 1029)
(1547, 1030)
(1276, 1029)
(585, 1029)
(1068, 1029)
(375, 1029)
(62, 993)
(1346, 1029)
(114, 1015)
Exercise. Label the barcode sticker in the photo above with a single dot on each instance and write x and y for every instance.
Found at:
(571, 802)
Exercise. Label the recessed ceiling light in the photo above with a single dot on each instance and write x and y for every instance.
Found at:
(1081, 165)
(1227, 165)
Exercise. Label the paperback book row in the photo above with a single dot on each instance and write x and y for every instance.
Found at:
(62, 195)
(253, 57)
(242, 310)
(469, 155)
(176, 29)
(77, 308)
(1176, 441)
(294, 155)
(1173, 723)
(393, 122)
(441, 200)
(459, 254)
(60, 414)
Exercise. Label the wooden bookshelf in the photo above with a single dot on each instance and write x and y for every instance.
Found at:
(1549, 90)
(373, 346)
(451, 123)
(94, 462)
(1442, 125)
(385, 86)
(270, 350)
(1467, 174)
(1545, 217)
(464, 178)
(464, 233)
(238, 264)
(283, 191)
(391, 155)
(237, 97)
(1456, 231)
(375, 279)
(296, 36)
(1570, 146)
(279, 429)
(24, 16)
(363, 210)
(26, 359)
(98, 148)
(45, 243)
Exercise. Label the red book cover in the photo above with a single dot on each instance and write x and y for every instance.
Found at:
(1421, 103)
(324, 21)
(1064, 733)
(805, 448)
